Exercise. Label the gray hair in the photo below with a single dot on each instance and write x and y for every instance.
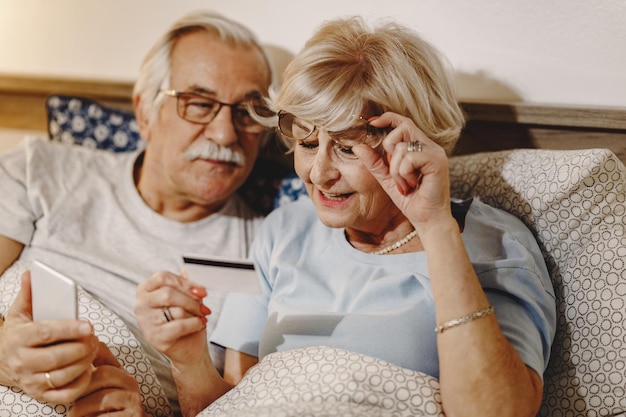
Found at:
(154, 73)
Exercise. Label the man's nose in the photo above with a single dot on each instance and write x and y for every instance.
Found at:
(221, 129)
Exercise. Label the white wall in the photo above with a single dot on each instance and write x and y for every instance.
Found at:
(543, 51)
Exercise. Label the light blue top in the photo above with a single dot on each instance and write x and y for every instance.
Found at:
(319, 290)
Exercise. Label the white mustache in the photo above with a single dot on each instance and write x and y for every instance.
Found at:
(205, 149)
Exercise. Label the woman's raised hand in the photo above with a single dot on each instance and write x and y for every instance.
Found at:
(416, 180)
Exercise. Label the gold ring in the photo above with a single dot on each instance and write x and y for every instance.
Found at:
(414, 146)
(167, 314)
(49, 381)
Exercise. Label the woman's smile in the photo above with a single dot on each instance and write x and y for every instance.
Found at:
(335, 196)
(334, 199)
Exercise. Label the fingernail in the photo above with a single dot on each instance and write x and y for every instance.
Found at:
(198, 292)
(85, 329)
(371, 119)
(205, 310)
(204, 320)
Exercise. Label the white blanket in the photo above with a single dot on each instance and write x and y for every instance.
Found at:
(323, 381)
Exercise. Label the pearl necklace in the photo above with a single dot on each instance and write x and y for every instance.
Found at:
(396, 245)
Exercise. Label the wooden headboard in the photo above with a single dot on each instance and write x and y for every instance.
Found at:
(496, 126)
(491, 126)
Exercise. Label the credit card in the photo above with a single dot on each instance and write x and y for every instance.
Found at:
(217, 273)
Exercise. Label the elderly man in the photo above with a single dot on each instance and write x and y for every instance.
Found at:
(111, 220)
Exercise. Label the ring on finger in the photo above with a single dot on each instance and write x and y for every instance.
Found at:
(167, 314)
(414, 146)
(49, 381)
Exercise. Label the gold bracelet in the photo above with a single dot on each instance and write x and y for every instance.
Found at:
(465, 319)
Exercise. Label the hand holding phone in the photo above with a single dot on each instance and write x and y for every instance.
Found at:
(54, 295)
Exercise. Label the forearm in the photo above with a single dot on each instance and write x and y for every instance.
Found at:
(480, 372)
(6, 378)
(198, 386)
(10, 251)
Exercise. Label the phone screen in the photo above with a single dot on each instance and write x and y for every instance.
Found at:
(54, 295)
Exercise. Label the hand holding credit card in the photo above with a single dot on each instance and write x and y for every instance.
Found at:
(217, 273)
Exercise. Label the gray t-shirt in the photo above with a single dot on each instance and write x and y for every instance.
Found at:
(78, 210)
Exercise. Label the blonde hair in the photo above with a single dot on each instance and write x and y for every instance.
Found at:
(346, 68)
(154, 73)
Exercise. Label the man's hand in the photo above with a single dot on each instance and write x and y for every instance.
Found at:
(49, 360)
(112, 391)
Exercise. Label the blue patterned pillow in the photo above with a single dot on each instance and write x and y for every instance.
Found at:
(291, 189)
(81, 121)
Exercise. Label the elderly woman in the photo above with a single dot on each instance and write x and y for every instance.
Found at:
(379, 260)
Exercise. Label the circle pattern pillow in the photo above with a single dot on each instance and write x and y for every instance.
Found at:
(575, 204)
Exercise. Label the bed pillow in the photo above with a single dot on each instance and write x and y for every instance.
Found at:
(85, 122)
(575, 204)
(291, 189)
(110, 330)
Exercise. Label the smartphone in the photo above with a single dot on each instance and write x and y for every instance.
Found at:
(54, 295)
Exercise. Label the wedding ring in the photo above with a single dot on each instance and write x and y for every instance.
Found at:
(167, 314)
(414, 146)
(49, 381)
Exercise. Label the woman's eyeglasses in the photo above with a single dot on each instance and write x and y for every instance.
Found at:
(200, 109)
(360, 132)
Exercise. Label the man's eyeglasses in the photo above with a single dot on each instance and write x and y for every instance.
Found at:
(200, 109)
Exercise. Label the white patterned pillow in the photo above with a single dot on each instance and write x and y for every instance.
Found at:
(575, 204)
(324, 381)
(110, 330)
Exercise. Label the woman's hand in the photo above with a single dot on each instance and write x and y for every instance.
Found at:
(112, 390)
(50, 360)
(172, 318)
(417, 182)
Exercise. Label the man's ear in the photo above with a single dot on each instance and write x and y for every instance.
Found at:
(142, 122)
